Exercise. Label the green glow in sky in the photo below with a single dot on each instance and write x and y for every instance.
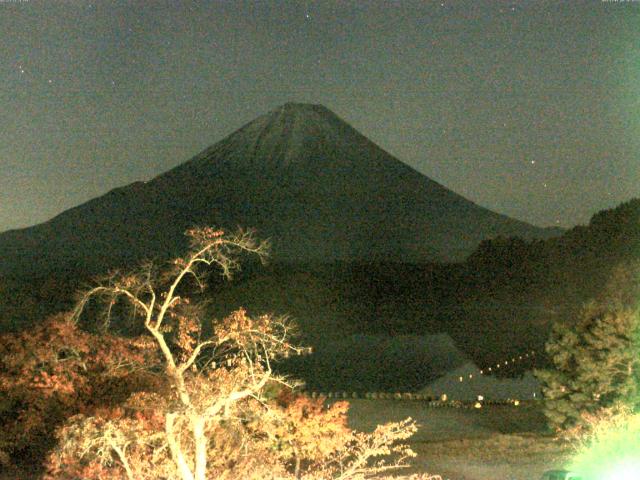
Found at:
(626, 470)
(613, 452)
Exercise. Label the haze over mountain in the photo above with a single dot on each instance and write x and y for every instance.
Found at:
(301, 176)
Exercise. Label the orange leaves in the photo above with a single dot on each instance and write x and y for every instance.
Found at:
(180, 262)
(187, 334)
(111, 413)
(129, 281)
(204, 235)
(205, 238)
(56, 370)
(205, 232)
(174, 404)
(53, 384)
(94, 446)
(262, 338)
(311, 430)
(148, 407)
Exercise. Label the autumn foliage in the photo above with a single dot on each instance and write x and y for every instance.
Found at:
(56, 370)
(188, 397)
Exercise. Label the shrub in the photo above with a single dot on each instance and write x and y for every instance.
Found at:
(596, 363)
(54, 371)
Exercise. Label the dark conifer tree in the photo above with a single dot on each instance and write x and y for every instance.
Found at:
(596, 362)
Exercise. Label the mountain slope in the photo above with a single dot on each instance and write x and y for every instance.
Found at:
(299, 175)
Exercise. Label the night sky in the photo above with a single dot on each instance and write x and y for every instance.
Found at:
(529, 108)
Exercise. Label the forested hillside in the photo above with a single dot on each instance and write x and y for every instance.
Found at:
(500, 301)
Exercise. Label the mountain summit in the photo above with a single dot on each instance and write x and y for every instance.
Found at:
(300, 175)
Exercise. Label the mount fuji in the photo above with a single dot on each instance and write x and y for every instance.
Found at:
(301, 176)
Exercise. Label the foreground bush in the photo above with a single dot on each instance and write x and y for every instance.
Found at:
(596, 363)
(54, 371)
(200, 400)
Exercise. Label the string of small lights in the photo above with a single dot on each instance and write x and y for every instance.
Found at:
(502, 364)
(441, 400)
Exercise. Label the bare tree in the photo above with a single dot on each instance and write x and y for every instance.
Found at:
(249, 344)
(214, 417)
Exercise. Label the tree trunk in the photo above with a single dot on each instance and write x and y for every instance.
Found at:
(201, 448)
(297, 470)
(176, 452)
